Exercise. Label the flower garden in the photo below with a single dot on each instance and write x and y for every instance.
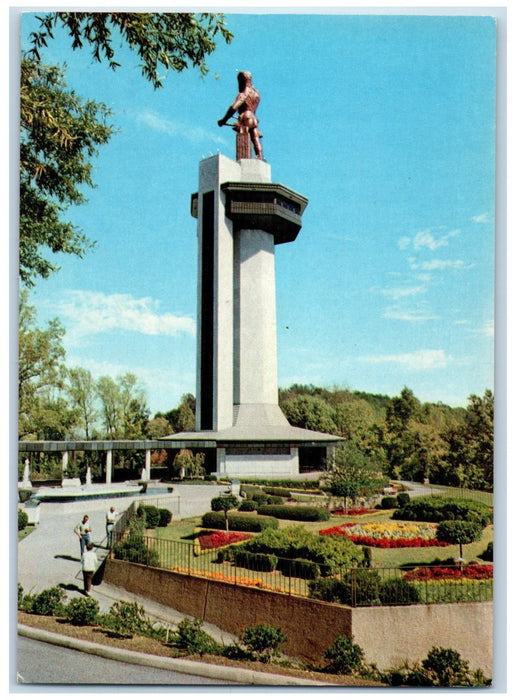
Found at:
(388, 535)
(281, 547)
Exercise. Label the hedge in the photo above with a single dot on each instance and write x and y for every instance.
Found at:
(239, 521)
(300, 513)
(154, 516)
(388, 502)
(299, 568)
(275, 491)
(364, 587)
(255, 561)
(295, 542)
(437, 508)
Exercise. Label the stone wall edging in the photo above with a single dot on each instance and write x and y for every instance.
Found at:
(389, 635)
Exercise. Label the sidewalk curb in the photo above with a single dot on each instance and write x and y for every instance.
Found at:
(196, 668)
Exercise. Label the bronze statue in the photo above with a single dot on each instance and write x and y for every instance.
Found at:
(246, 103)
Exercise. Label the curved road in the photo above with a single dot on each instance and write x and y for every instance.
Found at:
(41, 663)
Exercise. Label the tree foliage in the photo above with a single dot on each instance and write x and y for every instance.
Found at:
(163, 40)
(60, 133)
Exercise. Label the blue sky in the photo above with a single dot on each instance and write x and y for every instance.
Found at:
(386, 124)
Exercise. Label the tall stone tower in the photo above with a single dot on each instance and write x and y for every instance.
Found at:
(241, 217)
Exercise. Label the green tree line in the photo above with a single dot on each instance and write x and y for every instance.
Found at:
(399, 437)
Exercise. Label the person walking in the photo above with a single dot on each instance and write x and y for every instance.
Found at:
(89, 564)
(111, 518)
(83, 532)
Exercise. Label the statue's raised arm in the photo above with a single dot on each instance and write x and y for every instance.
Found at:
(246, 104)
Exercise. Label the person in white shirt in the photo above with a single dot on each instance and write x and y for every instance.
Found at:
(89, 564)
(111, 517)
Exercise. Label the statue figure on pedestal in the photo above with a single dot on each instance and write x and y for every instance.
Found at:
(246, 103)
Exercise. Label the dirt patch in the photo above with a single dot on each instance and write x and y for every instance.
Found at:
(152, 646)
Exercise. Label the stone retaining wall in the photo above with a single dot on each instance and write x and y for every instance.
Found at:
(389, 635)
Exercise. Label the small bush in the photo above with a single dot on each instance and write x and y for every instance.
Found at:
(445, 668)
(397, 591)
(224, 503)
(388, 502)
(23, 520)
(255, 562)
(402, 499)
(165, 516)
(127, 619)
(239, 521)
(356, 587)
(263, 641)
(247, 506)
(133, 548)
(82, 611)
(345, 657)
(49, 602)
(299, 513)
(150, 515)
(299, 568)
(434, 509)
(487, 554)
(193, 640)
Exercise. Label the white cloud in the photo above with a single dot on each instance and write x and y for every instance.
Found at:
(427, 239)
(438, 264)
(89, 313)
(396, 293)
(418, 360)
(481, 218)
(173, 128)
(412, 315)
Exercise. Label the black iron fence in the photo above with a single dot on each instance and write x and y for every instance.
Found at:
(350, 586)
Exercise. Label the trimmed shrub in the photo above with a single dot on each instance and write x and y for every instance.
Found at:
(487, 554)
(397, 591)
(458, 532)
(150, 515)
(434, 509)
(388, 502)
(299, 568)
(165, 516)
(263, 641)
(295, 542)
(239, 521)
(402, 499)
(356, 587)
(275, 491)
(133, 548)
(224, 503)
(344, 656)
(255, 562)
(82, 611)
(300, 513)
(247, 506)
(23, 520)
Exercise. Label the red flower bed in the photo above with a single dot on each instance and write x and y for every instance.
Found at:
(219, 538)
(399, 543)
(477, 572)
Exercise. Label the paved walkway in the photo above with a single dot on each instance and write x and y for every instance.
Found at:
(50, 555)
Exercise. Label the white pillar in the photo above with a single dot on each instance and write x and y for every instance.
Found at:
(64, 463)
(147, 464)
(109, 466)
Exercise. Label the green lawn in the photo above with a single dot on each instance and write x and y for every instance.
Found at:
(182, 530)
